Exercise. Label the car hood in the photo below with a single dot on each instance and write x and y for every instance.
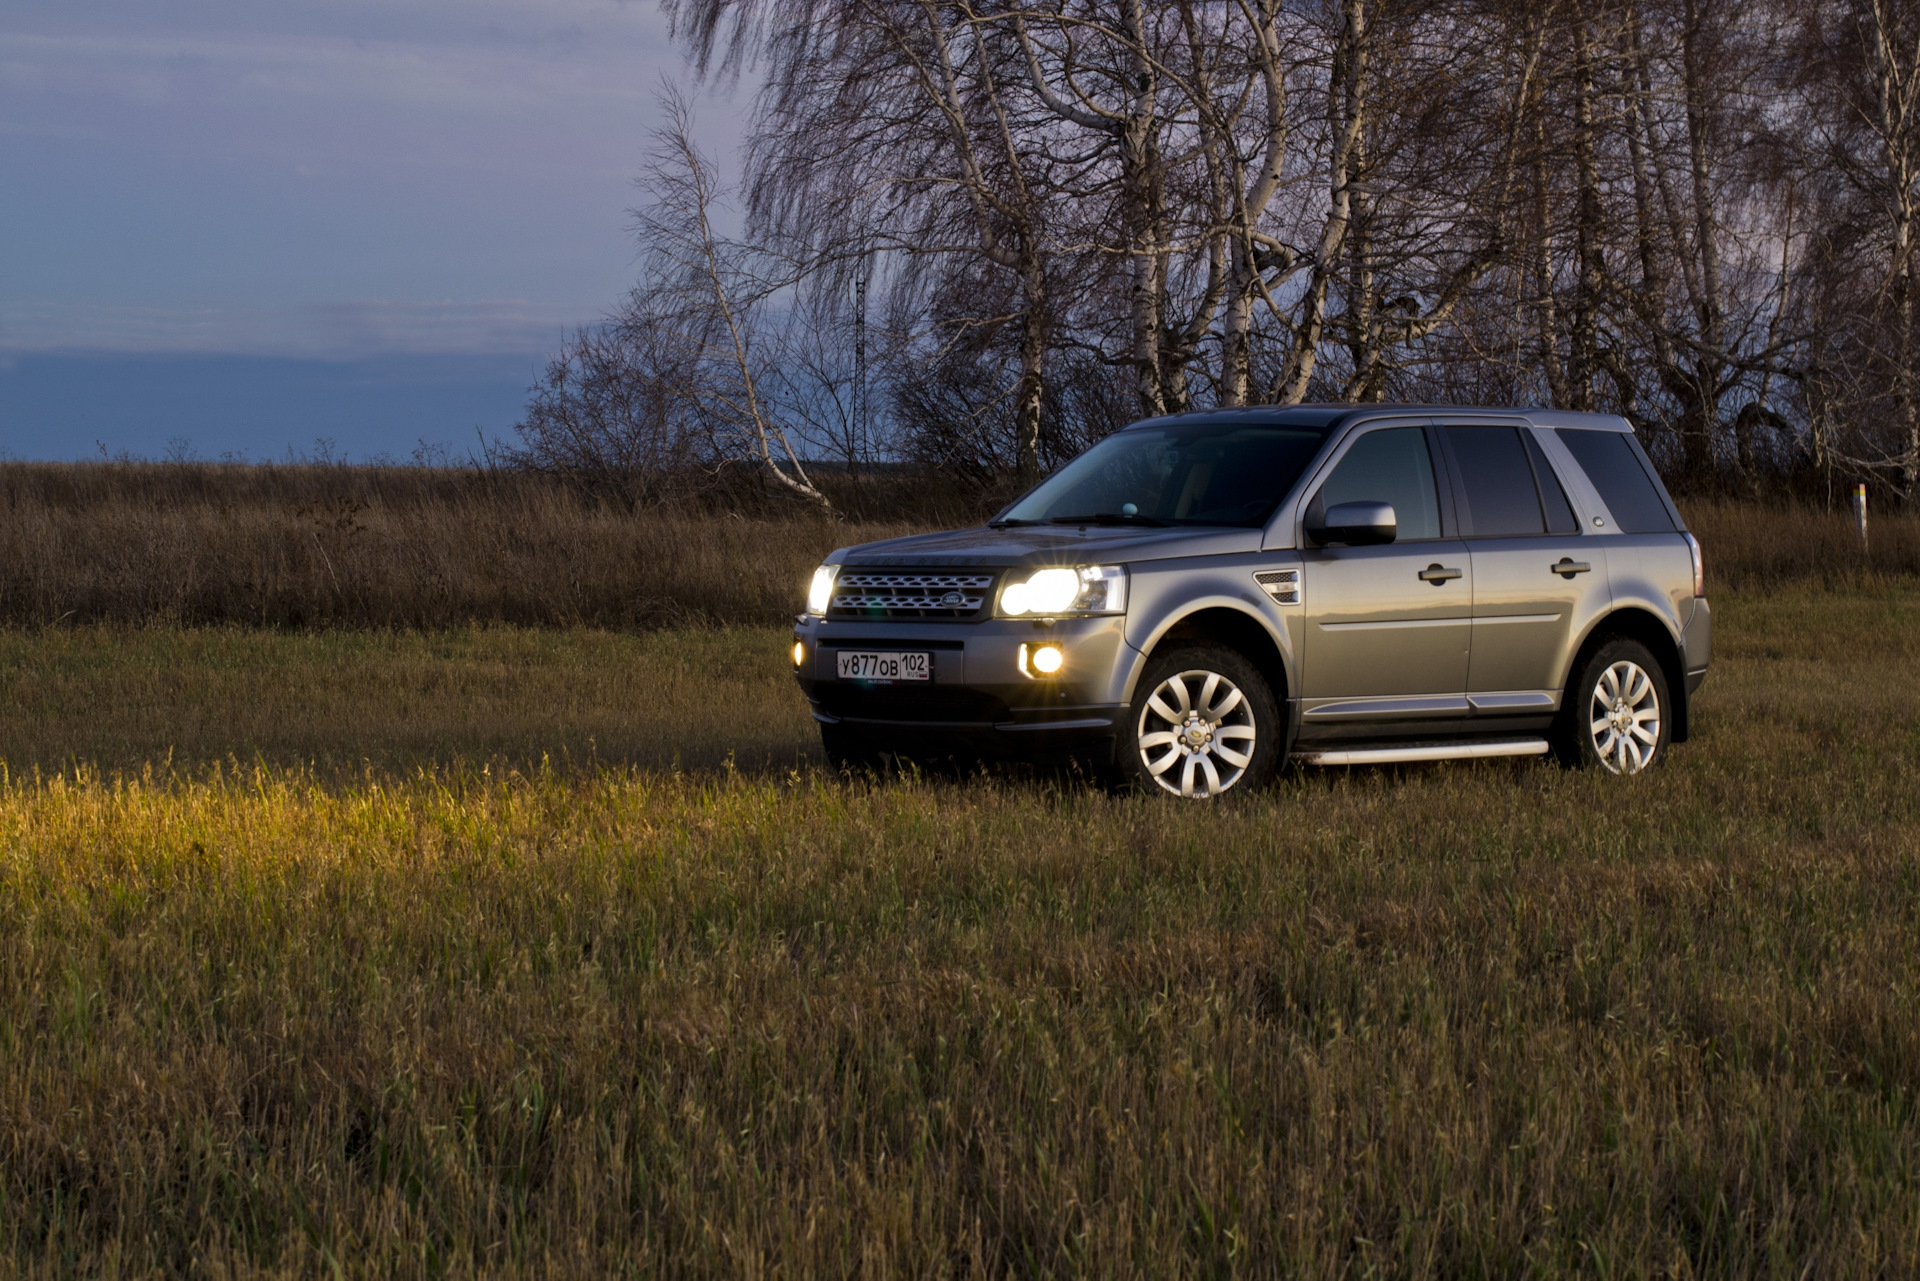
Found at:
(1050, 545)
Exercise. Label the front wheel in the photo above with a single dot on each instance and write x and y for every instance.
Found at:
(1203, 723)
(1615, 714)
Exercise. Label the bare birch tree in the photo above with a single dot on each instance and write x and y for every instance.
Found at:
(1697, 213)
(708, 293)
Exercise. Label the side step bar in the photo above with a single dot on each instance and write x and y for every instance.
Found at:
(1425, 752)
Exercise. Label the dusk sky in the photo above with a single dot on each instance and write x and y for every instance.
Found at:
(388, 208)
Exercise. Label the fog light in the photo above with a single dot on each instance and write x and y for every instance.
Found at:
(799, 652)
(1042, 660)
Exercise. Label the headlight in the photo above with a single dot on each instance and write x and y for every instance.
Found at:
(1051, 593)
(820, 591)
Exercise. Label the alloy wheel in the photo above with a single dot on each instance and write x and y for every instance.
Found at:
(1196, 734)
(1624, 718)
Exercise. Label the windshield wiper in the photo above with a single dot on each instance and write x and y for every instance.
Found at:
(1009, 523)
(1106, 518)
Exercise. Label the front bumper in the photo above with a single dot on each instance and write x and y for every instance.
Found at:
(977, 695)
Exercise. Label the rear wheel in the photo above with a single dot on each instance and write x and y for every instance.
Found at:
(1203, 723)
(1615, 716)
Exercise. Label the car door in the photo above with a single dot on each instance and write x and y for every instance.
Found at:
(1536, 575)
(1387, 627)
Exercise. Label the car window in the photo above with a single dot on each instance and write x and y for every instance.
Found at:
(1553, 499)
(1626, 486)
(1501, 498)
(1200, 472)
(1390, 466)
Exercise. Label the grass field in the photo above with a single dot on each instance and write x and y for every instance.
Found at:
(309, 965)
(337, 703)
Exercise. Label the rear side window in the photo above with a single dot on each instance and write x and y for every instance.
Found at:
(1626, 485)
(1390, 466)
(1501, 499)
(1553, 499)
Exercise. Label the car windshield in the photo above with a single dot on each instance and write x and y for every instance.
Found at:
(1194, 473)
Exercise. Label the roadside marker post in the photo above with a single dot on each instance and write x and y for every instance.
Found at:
(1860, 512)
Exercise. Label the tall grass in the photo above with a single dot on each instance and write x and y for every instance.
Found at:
(383, 547)
(1763, 546)
(1487, 1020)
(320, 546)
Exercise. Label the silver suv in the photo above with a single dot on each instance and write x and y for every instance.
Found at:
(1199, 598)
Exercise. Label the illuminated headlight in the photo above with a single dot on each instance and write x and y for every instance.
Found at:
(1052, 593)
(820, 590)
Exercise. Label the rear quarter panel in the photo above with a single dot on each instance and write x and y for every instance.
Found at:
(1654, 572)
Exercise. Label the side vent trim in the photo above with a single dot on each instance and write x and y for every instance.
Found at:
(1283, 585)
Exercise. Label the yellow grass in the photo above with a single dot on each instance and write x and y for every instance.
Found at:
(446, 1011)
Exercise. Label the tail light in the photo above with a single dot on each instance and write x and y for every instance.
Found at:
(1699, 566)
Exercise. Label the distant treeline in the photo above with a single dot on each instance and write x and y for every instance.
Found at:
(415, 547)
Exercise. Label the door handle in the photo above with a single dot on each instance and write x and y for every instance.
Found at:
(1437, 574)
(1568, 567)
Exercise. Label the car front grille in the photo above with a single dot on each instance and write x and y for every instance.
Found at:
(906, 593)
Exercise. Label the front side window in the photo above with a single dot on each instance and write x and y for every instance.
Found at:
(1191, 473)
(1391, 466)
(1501, 499)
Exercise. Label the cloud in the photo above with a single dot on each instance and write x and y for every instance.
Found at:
(466, 77)
(332, 330)
(324, 175)
(258, 92)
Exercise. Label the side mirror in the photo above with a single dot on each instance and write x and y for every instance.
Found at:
(1356, 524)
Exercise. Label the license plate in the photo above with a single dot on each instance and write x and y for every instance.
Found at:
(883, 665)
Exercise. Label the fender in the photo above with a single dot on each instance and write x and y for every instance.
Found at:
(1143, 648)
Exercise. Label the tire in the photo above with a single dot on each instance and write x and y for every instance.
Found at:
(1618, 713)
(1195, 714)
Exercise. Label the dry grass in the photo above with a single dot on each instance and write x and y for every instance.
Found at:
(323, 547)
(382, 547)
(1763, 546)
(1460, 1020)
(337, 703)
